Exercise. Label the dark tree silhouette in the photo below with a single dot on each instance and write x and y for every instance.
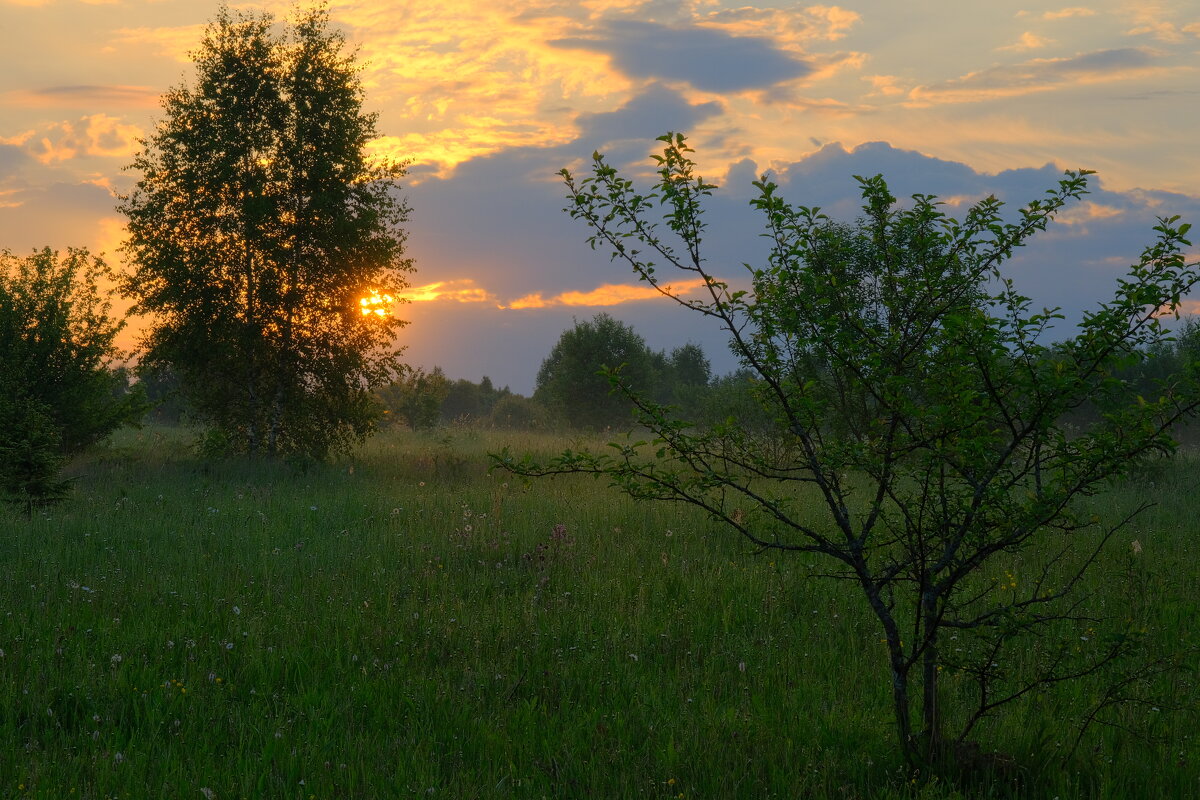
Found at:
(257, 228)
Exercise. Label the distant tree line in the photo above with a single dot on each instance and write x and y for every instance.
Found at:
(572, 392)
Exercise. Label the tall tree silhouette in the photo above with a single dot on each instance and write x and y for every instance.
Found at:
(258, 228)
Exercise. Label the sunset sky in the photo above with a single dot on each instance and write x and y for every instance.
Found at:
(489, 100)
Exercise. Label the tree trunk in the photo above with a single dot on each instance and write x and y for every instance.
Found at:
(901, 709)
(931, 711)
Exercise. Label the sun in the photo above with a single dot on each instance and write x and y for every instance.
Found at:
(377, 304)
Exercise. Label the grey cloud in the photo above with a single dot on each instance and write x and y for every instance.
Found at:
(708, 59)
(652, 113)
(1044, 72)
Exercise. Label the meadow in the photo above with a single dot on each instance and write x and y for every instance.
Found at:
(401, 622)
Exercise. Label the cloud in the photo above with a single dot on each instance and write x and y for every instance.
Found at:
(649, 114)
(93, 135)
(707, 58)
(1087, 212)
(610, 294)
(17, 139)
(1040, 75)
(89, 96)
(885, 85)
(467, 290)
(1028, 41)
(463, 290)
(1067, 13)
(1156, 19)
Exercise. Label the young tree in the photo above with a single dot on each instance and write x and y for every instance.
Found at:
(58, 394)
(920, 408)
(263, 238)
(569, 382)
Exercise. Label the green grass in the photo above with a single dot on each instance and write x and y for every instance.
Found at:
(402, 623)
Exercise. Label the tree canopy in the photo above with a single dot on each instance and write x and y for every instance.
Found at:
(263, 237)
(569, 382)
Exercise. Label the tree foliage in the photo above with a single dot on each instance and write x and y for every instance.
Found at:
(258, 225)
(920, 408)
(569, 382)
(572, 385)
(467, 401)
(58, 393)
(416, 398)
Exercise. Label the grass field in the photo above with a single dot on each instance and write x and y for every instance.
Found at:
(401, 623)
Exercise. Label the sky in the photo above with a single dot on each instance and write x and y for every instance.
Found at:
(488, 101)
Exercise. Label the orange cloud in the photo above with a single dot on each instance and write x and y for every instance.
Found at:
(1028, 41)
(886, 85)
(1065, 13)
(1087, 212)
(19, 139)
(5, 202)
(94, 135)
(1151, 17)
(461, 79)
(1185, 308)
(610, 294)
(463, 290)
